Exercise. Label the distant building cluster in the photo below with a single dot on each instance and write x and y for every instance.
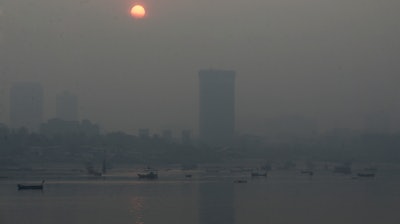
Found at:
(166, 135)
(216, 111)
(57, 127)
(27, 102)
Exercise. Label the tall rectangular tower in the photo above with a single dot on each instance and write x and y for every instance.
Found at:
(217, 106)
(26, 105)
(67, 107)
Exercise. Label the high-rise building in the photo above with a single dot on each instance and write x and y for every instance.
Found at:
(67, 107)
(217, 107)
(26, 105)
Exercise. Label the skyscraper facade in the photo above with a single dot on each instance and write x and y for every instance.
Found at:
(26, 105)
(217, 106)
(67, 107)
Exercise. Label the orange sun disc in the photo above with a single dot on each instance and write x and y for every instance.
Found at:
(138, 11)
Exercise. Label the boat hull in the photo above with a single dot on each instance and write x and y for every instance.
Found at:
(150, 175)
(366, 174)
(30, 187)
(259, 174)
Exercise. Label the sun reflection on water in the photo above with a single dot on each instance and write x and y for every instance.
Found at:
(137, 209)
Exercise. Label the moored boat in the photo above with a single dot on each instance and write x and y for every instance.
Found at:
(240, 181)
(257, 174)
(31, 186)
(366, 174)
(151, 175)
(309, 172)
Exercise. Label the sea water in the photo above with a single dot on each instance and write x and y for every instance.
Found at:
(284, 197)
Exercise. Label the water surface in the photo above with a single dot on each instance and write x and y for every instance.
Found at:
(206, 198)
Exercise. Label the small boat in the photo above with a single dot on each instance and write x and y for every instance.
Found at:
(90, 170)
(366, 174)
(267, 167)
(240, 181)
(188, 175)
(257, 174)
(151, 175)
(31, 186)
(309, 172)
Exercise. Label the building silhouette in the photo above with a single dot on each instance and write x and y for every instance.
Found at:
(167, 135)
(26, 105)
(217, 107)
(67, 107)
(59, 127)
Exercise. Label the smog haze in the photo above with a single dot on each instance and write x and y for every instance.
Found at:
(333, 62)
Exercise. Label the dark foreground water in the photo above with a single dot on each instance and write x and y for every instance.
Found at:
(283, 197)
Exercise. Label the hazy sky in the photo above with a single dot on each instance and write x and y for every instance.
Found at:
(334, 61)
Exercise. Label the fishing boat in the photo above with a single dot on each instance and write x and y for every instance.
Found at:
(240, 181)
(309, 172)
(31, 186)
(257, 174)
(92, 171)
(366, 174)
(151, 175)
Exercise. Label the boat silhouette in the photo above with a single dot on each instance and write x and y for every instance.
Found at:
(258, 174)
(151, 175)
(31, 186)
(366, 174)
(240, 181)
(309, 172)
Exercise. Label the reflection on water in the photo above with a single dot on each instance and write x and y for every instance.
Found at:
(280, 198)
(138, 207)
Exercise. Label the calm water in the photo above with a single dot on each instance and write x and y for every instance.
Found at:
(283, 197)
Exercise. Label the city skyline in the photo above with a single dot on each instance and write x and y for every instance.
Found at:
(380, 121)
(294, 59)
(199, 112)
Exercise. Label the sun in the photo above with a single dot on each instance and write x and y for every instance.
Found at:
(138, 11)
